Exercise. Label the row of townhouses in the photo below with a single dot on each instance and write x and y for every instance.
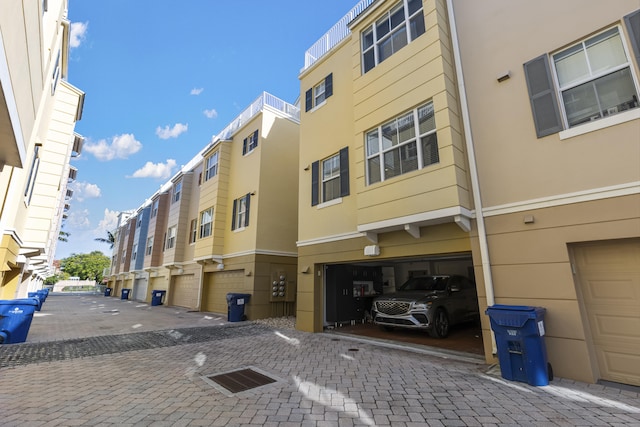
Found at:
(38, 113)
(497, 140)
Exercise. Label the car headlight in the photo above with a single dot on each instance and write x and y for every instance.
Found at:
(421, 305)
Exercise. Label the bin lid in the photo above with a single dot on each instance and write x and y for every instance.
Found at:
(513, 315)
(20, 301)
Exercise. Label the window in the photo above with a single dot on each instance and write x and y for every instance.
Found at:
(139, 222)
(134, 255)
(149, 245)
(154, 209)
(33, 172)
(330, 178)
(319, 93)
(193, 231)
(124, 256)
(240, 217)
(206, 219)
(587, 81)
(250, 143)
(177, 189)
(211, 166)
(394, 30)
(56, 74)
(171, 237)
(404, 144)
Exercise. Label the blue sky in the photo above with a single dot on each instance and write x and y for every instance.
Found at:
(161, 78)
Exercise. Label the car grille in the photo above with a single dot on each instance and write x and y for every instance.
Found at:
(392, 307)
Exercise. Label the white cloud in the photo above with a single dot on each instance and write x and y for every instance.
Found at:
(107, 223)
(78, 33)
(174, 132)
(121, 147)
(197, 91)
(78, 219)
(155, 170)
(212, 114)
(85, 190)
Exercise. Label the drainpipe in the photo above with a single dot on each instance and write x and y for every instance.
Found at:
(475, 186)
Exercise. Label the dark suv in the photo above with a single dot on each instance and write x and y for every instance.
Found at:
(432, 303)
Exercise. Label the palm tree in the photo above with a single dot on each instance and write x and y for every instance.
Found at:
(110, 239)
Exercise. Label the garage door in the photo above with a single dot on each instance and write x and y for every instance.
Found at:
(216, 288)
(609, 277)
(140, 289)
(185, 291)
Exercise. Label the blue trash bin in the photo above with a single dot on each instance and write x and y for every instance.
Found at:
(107, 292)
(125, 294)
(15, 319)
(522, 353)
(42, 293)
(235, 306)
(157, 297)
(36, 296)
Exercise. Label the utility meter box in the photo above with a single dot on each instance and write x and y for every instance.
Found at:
(282, 289)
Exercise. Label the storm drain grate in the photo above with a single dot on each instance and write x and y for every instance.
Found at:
(241, 380)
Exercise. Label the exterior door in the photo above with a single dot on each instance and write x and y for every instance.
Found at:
(609, 278)
(217, 286)
(140, 287)
(185, 291)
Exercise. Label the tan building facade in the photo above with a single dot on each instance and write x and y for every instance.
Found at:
(555, 123)
(38, 112)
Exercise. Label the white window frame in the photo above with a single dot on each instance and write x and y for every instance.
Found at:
(149, 246)
(33, 172)
(593, 76)
(417, 139)
(171, 237)
(177, 190)
(211, 166)
(251, 142)
(319, 94)
(206, 224)
(241, 212)
(378, 41)
(326, 179)
(154, 208)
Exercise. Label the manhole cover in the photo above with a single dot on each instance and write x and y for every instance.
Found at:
(240, 380)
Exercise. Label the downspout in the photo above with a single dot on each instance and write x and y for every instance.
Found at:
(473, 170)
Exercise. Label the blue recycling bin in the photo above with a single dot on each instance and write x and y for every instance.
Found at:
(15, 319)
(125, 294)
(522, 353)
(43, 294)
(235, 306)
(107, 292)
(157, 297)
(36, 296)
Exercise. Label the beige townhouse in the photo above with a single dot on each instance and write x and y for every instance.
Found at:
(552, 104)
(38, 112)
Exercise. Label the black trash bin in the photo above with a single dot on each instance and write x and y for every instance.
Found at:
(157, 297)
(107, 292)
(15, 319)
(235, 306)
(522, 353)
(125, 294)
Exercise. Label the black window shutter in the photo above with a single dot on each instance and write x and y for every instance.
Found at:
(328, 86)
(315, 177)
(255, 137)
(542, 94)
(344, 172)
(233, 217)
(632, 21)
(246, 210)
(308, 100)
(244, 146)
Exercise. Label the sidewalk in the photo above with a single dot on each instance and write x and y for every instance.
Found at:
(313, 379)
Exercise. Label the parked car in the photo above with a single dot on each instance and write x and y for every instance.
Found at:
(431, 303)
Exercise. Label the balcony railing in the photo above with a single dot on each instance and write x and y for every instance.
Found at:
(335, 35)
(264, 100)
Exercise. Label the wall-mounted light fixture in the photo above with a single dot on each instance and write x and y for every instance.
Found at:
(529, 219)
(504, 76)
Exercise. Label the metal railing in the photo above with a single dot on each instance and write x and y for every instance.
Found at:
(266, 99)
(335, 35)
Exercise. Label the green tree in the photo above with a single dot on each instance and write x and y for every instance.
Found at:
(86, 266)
(110, 239)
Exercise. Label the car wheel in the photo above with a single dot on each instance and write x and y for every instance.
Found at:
(440, 324)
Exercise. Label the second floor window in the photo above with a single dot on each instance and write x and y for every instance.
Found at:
(33, 172)
(177, 189)
(319, 93)
(193, 233)
(404, 144)
(171, 237)
(250, 143)
(154, 209)
(211, 166)
(206, 219)
(394, 30)
(149, 245)
(240, 217)
(330, 178)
